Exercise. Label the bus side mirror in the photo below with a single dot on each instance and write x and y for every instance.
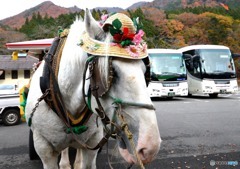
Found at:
(188, 61)
(187, 57)
(196, 58)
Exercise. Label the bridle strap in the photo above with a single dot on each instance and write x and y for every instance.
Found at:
(128, 103)
(100, 144)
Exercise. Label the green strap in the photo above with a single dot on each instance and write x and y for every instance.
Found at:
(30, 120)
(89, 100)
(117, 100)
(76, 130)
(90, 58)
(143, 105)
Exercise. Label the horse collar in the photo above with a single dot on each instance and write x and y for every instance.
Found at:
(48, 81)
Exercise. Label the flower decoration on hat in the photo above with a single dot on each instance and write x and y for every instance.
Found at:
(103, 19)
(124, 38)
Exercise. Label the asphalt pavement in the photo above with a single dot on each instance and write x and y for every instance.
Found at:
(197, 133)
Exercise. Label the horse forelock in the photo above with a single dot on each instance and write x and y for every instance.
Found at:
(104, 61)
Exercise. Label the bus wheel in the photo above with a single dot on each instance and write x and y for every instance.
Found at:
(32, 152)
(214, 95)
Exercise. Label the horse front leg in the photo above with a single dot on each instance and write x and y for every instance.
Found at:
(45, 151)
(64, 161)
(85, 159)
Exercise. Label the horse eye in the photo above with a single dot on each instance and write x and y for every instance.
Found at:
(115, 76)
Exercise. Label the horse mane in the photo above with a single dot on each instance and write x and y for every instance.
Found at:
(72, 48)
(76, 57)
(104, 61)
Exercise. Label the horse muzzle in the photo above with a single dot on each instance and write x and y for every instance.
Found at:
(145, 152)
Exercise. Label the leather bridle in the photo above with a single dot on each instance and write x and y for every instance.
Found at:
(98, 91)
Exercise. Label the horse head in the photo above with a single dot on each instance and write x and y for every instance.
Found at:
(117, 82)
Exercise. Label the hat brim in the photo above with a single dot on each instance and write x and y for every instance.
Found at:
(99, 48)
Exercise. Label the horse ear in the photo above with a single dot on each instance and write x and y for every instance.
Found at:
(137, 19)
(93, 28)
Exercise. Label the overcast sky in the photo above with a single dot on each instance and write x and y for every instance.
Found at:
(10, 8)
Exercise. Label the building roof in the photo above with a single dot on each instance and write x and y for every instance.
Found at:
(6, 63)
(28, 45)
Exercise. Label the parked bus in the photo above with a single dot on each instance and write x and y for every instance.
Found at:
(168, 73)
(210, 70)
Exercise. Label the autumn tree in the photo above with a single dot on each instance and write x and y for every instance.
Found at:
(217, 27)
(155, 15)
(8, 36)
(187, 19)
(171, 32)
(147, 26)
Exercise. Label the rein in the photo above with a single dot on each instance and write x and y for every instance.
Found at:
(119, 102)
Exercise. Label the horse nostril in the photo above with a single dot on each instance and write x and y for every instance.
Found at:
(146, 155)
(142, 153)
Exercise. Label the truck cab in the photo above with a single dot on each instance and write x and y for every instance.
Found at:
(10, 109)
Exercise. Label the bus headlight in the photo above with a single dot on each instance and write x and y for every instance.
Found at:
(235, 87)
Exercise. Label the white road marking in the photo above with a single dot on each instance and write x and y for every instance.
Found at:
(227, 95)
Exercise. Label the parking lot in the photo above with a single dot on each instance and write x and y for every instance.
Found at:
(195, 131)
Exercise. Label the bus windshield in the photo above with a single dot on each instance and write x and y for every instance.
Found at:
(165, 64)
(216, 61)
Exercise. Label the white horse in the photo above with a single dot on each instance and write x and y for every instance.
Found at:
(128, 84)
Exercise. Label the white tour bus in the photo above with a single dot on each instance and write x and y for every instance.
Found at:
(168, 73)
(210, 70)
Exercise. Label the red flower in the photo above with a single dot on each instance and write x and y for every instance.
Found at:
(126, 34)
(119, 37)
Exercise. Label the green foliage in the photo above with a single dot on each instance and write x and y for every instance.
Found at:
(147, 25)
(47, 27)
(96, 14)
(233, 11)
(173, 5)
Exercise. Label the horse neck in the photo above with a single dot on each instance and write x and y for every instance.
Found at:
(70, 76)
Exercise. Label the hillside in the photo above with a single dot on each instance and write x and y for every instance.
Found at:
(45, 8)
(50, 9)
(171, 4)
(137, 5)
(174, 27)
